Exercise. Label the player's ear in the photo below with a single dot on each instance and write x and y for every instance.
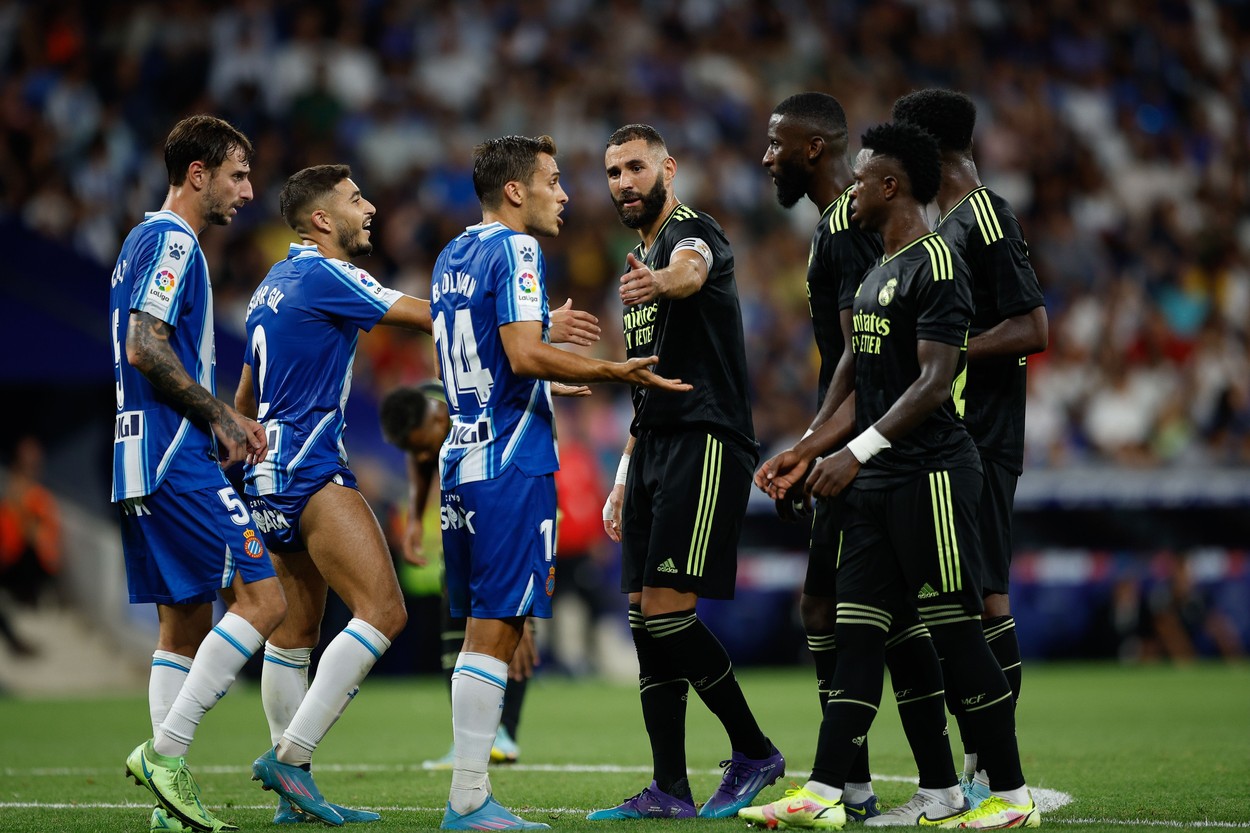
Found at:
(197, 175)
(815, 147)
(514, 193)
(320, 220)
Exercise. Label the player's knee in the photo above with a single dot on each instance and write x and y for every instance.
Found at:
(818, 613)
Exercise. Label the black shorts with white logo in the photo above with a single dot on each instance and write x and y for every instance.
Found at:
(918, 539)
(685, 498)
(998, 496)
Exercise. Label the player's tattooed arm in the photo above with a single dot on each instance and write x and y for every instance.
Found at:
(148, 350)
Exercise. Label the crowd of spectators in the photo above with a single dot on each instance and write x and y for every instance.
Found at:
(1119, 131)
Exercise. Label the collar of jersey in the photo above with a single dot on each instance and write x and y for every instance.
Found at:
(942, 217)
(920, 239)
(300, 250)
(166, 214)
(642, 247)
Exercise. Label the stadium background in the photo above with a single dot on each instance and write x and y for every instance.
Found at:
(1118, 130)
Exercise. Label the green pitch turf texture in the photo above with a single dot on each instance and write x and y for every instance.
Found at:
(1118, 748)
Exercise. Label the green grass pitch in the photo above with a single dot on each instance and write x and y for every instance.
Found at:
(1118, 748)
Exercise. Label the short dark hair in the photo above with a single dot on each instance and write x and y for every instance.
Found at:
(633, 132)
(817, 111)
(915, 149)
(497, 162)
(402, 410)
(950, 116)
(303, 189)
(202, 138)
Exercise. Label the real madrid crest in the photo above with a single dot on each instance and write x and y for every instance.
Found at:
(886, 295)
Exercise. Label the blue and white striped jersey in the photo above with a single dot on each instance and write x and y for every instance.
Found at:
(487, 277)
(303, 323)
(161, 271)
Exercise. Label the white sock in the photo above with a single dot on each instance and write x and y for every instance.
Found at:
(477, 687)
(217, 662)
(970, 764)
(952, 797)
(1017, 796)
(169, 672)
(346, 661)
(825, 791)
(857, 793)
(982, 777)
(283, 682)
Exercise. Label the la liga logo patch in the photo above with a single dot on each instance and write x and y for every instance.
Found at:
(252, 545)
(165, 280)
(528, 282)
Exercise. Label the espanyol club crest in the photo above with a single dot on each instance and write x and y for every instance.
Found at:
(551, 581)
(252, 545)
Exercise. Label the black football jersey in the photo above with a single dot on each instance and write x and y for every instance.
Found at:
(840, 255)
(698, 339)
(983, 229)
(922, 293)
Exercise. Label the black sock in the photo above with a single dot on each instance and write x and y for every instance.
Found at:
(825, 654)
(979, 687)
(916, 677)
(663, 699)
(856, 692)
(513, 698)
(691, 647)
(1000, 633)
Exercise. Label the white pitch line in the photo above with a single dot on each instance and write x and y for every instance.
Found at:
(1047, 799)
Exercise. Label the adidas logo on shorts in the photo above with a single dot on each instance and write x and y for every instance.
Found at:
(668, 566)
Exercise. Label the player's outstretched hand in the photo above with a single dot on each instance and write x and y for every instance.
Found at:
(781, 473)
(832, 474)
(573, 326)
(638, 372)
(638, 285)
(561, 389)
(612, 512)
(239, 439)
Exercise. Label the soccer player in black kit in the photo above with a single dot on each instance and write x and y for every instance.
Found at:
(806, 156)
(1008, 323)
(912, 478)
(682, 487)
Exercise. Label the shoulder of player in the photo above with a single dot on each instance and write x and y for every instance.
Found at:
(982, 219)
(164, 232)
(929, 256)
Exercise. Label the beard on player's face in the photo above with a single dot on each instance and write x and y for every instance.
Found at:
(353, 241)
(649, 207)
(790, 186)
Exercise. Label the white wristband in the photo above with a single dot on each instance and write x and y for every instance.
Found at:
(622, 470)
(867, 445)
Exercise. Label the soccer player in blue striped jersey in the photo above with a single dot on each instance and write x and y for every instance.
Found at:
(303, 323)
(1008, 323)
(489, 303)
(186, 535)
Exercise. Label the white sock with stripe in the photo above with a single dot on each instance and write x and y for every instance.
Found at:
(477, 688)
(283, 684)
(218, 660)
(169, 672)
(346, 661)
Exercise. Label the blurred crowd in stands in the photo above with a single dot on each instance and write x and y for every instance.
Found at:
(1119, 130)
